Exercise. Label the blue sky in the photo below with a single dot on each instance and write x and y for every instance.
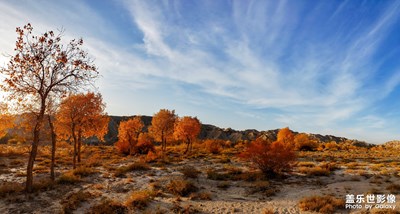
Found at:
(328, 67)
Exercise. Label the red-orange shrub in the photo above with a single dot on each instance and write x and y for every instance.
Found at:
(123, 147)
(270, 158)
(213, 146)
(144, 144)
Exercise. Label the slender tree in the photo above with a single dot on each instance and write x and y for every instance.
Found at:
(42, 66)
(162, 126)
(81, 116)
(187, 129)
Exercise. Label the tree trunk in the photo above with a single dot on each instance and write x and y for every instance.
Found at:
(187, 147)
(75, 142)
(79, 146)
(33, 152)
(53, 148)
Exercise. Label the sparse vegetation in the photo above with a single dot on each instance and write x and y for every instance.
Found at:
(322, 204)
(181, 187)
(139, 199)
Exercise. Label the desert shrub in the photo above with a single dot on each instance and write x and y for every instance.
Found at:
(108, 207)
(7, 188)
(333, 146)
(181, 187)
(214, 175)
(190, 172)
(302, 142)
(205, 196)
(263, 187)
(213, 146)
(322, 204)
(140, 199)
(72, 201)
(137, 166)
(268, 211)
(43, 184)
(68, 178)
(305, 164)
(83, 171)
(394, 188)
(151, 157)
(123, 147)
(144, 144)
(314, 171)
(270, 158)
(224, 185)
(384, 211)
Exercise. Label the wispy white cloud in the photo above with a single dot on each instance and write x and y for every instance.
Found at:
(260, 56)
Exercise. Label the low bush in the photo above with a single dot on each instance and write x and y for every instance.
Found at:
(140, 199)
(83, 171)
(213, 146)
(314, 171)
(181, 187)
(7, 188)
(137, 166)
(72, 201)
(68, 178)
(108, 207)
(322, 204)
(190, 172)
(270, 158)
(205, 196)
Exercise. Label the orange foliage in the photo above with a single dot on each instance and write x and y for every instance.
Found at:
(187, 129)
(162, 126)
(128, 134)
(286, 136)
(214, 146)
(6, 121)
(270, 158)
(145, 144)
(123, 147)
(303, 142)
(81, 116)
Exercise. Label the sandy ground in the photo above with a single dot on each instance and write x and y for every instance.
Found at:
(237, 198)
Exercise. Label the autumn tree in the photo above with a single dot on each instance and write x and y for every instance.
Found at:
(187, 129)
(162, 126)
(128, 134)
(42, 66)
(81, 116)
(286, 136)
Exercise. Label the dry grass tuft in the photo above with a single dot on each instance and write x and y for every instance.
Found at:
(181, 187)
(322, 204)
(72, 202)
(205, 196)
(108, 207)
(190, 172)
(68, 178)
(83, 171)
(314, 171)
(140, 199)
(394, 188)
(137, 166)
(7, 188)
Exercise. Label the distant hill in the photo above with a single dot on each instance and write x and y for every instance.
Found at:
(213, 132)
